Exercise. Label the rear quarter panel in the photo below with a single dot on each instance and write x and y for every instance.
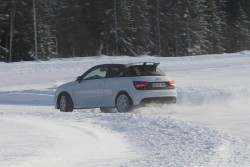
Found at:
(113, 86)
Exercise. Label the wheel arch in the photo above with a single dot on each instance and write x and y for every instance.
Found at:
(125, 92)
(59, 96)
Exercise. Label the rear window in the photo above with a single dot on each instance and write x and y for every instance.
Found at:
(144, 70)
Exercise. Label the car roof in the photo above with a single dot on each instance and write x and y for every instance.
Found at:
(131, 64)
(143, 63)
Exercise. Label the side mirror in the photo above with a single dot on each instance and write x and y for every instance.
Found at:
(79, 79)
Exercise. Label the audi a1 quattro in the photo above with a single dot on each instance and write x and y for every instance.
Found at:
(119, 86)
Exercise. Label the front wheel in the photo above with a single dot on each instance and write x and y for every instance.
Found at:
(65, 103)
(123, 103)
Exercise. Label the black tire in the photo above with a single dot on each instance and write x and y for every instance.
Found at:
(65, 103)
(123, 102)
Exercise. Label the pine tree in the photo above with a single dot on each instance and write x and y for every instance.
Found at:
(196, 28)
(4, 17)
(169, 21)
(129, 27)
(69, 17)
(135, 29)
(22, 37)
(243, 30)
(190, 28)
(238, 35)
(124, 27)
(46, 27)
(68, 28)
(215, 17)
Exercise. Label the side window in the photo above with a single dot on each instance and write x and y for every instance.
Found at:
(115, 71)
(137, 71)
(134, 71)
(96, 73)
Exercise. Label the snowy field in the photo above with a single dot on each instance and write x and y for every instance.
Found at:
(208, 127)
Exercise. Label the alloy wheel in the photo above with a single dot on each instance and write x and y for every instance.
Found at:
(63, 103)
(122, 103)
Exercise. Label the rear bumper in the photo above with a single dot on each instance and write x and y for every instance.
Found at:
(154, 96)
(159, 100)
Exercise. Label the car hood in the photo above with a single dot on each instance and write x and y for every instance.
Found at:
(66, 85)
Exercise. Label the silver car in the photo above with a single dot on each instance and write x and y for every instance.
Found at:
(119, 86)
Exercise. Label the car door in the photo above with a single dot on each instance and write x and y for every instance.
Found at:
(88, 91)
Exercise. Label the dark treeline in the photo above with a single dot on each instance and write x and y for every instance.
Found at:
(43, 29)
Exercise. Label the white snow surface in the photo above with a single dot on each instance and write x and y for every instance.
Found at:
(209, 125)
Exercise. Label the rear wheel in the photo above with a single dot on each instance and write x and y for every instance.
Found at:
(65, 103)
(123, 103)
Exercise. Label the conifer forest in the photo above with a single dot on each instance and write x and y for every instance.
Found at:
(45, 29)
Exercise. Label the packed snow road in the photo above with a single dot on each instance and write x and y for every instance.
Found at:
(208, 127)
(45, 142)
(37, 136)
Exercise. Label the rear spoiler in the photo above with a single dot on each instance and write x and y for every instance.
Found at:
(143, 63)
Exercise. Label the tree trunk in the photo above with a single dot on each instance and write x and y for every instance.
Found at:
(158, 30)
(12, 20)
(35, 28)
(116, 28)
(100, 50)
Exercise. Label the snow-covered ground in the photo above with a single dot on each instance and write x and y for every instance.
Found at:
(209, 126)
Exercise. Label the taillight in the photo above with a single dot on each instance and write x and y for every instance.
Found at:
(172, 83)
(140, 84)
